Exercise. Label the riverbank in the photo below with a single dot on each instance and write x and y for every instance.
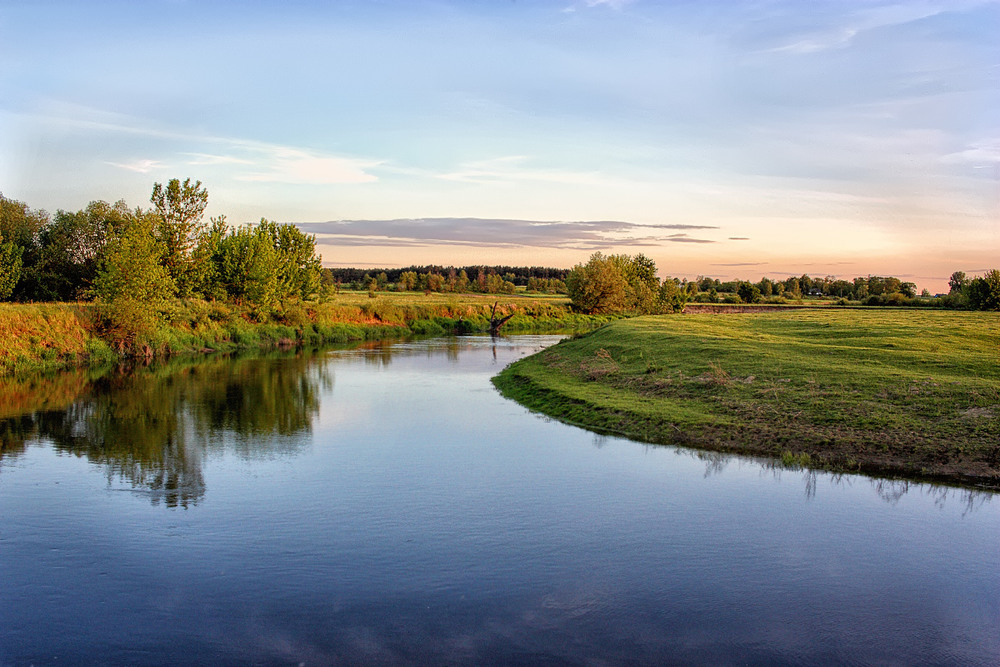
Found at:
(908, 393)
(50, 336)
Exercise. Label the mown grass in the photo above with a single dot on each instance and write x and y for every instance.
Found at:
(39, 337)
(914, 393)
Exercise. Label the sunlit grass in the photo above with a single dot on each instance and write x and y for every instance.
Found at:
(904, 391)
(36, 337)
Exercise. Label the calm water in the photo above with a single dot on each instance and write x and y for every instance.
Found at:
(386, 505)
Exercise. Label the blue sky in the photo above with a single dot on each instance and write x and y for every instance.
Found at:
(719, 138)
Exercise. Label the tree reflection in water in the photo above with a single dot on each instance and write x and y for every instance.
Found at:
(153, 427)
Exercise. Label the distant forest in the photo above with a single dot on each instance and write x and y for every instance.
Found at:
(519, 276)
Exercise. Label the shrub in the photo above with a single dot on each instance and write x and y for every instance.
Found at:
(984, 292)
(426, 328)
(748, 292)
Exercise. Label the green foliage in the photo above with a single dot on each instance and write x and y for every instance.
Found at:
(748, 292)
(132, 284)
(407, 281)
(179, 208)
(131, 267)
(672, 297)
(427, 328)
(298, 265)
(20, 227)
(209, 256)
(260, 265)
(622, 283)
(597, 286)
(984, 292)
(72, 247)
(248, 265)
(957, 282)
(10, 268)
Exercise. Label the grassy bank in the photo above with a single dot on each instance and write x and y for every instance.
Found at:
(911, 393)
(38, 337)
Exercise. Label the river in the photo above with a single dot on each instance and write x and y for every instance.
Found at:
(385, 505)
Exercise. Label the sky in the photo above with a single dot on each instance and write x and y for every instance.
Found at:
(729, 139)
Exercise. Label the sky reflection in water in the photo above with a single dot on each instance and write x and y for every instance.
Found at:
(386, 505)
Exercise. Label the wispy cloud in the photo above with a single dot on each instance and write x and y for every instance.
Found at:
(139, 166)
(517, 168)
(245, 160)
(200, 159)
(981, 154)
(290, 165)
(581, 235)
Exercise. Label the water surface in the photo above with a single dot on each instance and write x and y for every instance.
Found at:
(385, 505)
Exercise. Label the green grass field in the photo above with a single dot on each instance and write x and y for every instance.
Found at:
(905, 392)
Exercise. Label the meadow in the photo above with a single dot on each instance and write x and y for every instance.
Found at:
(888, 391)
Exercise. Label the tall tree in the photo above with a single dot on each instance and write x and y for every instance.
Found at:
(957, 282)
(180, 208)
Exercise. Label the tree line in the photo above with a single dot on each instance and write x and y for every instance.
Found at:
(981, 293)
(435, 278)
(114, 253)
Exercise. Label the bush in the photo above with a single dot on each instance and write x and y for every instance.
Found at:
(427, 328)
(748, 292)
(984, 293)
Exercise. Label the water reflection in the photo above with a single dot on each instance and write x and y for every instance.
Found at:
(153, 427)
(381, 353)
(889, 490)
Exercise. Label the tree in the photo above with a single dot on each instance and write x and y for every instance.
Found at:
(748, 292)
(208, 253)
(180, 208)
(21, 226)
(407, 281)
(248, 265)
(597, 286)
(131, 267)
(71, 247)
(984, 292)
(298, 265)
(621, 283)
(672, 297)
(641, 284)
(957, 282)
(793, 288)
(10, 268)
(132, 283)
